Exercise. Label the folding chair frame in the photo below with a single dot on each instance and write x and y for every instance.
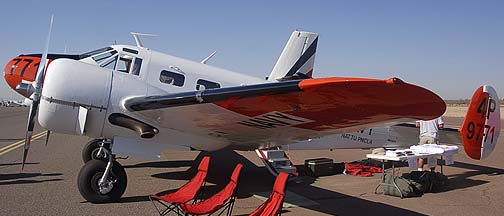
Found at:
(228, 206)
(283, 182)
(175, 206)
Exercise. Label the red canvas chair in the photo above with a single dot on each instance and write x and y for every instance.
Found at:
(223, 200)
(273, 206)
(184, 194)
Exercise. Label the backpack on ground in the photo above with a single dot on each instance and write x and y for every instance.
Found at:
(412, 184)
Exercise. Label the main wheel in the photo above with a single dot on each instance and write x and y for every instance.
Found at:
(90, 175)
(91, 149)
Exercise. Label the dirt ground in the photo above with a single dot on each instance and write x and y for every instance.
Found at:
(460, 111)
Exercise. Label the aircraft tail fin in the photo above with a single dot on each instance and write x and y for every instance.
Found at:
(297, 58)
(482, 123)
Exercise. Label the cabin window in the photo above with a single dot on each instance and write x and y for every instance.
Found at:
(172, 78)
(136, 66)
(124, 63)
(202, 84)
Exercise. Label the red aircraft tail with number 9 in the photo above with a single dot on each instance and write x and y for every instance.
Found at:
(482, 123)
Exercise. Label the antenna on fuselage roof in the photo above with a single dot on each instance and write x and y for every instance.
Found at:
(204, 61)
(137, 35)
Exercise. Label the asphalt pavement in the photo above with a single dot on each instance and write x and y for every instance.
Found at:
(48, 184)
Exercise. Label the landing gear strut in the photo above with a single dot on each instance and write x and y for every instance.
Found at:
(95, 150)
(100, 181)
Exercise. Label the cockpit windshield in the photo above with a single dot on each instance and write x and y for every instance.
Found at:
(104, 57)
(94, 52)
(110, 58)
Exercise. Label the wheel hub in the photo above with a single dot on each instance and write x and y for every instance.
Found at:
(97, 154)
(106, 187)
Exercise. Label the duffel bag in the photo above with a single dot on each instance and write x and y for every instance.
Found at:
(439, 182)
(408, 187)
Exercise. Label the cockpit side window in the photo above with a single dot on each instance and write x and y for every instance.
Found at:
(124, 63)
(137, 66)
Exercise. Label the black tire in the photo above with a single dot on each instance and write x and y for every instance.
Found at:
(90, 174)
(91, 149)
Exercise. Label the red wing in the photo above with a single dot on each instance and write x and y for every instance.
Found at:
(288, 111)
(334, 103)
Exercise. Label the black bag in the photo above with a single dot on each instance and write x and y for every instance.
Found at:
(408, 187)
(439, 182)
(421, 177)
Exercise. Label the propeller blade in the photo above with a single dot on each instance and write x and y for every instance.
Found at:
(47, 137)
(29, 131)
(26, 147)
(39, 81)
(42, 66)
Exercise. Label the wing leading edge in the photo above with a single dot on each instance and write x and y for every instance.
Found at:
(210, 95)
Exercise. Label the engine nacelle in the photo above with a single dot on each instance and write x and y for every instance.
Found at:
(75, 98)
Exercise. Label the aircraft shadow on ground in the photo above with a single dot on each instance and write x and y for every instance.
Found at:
(162, 164)
(462, 180)
(10, 139)
(15, 164)
(256, 179)
(24, 178)
(130, 199)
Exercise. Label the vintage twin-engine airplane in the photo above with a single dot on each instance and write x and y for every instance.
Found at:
(136, 101)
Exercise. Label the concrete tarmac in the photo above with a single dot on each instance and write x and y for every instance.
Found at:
(48, 185)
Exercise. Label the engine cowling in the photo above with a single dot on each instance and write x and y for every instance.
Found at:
(75, 98)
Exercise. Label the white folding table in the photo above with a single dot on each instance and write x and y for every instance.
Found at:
(394, 159)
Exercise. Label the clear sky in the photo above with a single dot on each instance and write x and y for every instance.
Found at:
(450, 47)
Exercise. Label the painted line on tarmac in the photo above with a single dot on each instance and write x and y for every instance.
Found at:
(20, 143)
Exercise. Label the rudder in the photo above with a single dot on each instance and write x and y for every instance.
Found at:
(297, 58)
(482, 123)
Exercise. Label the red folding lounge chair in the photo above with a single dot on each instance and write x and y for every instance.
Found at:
(223, 200)
(184, 194)
(273, 206)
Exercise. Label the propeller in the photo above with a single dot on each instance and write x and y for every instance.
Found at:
(37, 85)
(47, 137)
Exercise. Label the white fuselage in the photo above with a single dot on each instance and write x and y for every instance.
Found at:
(79, 97)
(101, 90)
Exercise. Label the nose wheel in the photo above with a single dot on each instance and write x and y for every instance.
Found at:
(93, 150)
(100, 181)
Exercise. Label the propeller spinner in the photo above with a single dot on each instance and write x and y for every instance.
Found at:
(37, 86)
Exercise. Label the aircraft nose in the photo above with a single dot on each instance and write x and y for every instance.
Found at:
(21, 68)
